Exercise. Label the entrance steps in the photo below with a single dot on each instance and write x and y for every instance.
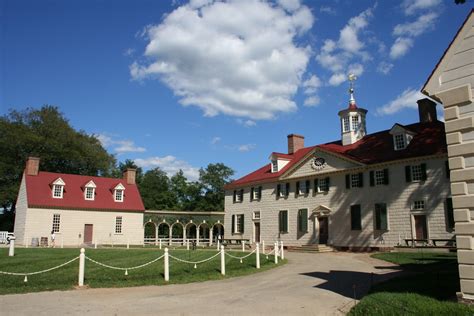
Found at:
(312, 248)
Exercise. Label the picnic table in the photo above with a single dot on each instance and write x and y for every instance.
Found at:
(236, 241)
(425, 242)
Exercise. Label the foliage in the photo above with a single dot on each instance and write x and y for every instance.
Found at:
(29, 260)
(213, 179)
(156, 191)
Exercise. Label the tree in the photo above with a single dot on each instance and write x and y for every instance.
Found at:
(155, 189)
(123, 166)
(46, 134)
(213, 179)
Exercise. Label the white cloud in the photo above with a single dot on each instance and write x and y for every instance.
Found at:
(171, 165)
(337, 78)
(421, 25)
(290, 5)
(405, 100)
(215, 140)
(401, 46)
(413, 6)
(311, 85)
(312, 101)
(119, 146)
(328, 10)
(384, 67)
(246, 123)
(348, 38)
(246, 147)
(236, 58)
(129, 52)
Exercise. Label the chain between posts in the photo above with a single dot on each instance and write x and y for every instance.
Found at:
(42, 271)
(124, 269)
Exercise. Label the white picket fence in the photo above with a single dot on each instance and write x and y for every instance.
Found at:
(277, 252)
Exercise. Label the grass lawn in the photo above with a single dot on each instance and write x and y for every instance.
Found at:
(65, 278)
(428, 288)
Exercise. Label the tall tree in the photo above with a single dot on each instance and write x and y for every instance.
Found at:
(213, 179)
(155, 190)
(46, 134)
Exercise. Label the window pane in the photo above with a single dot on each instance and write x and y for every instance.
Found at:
(56, 222)
(118, 225)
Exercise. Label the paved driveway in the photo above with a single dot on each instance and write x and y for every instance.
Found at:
(310, 284)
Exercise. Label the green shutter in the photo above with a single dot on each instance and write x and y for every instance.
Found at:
(242, 224)
(381, 216)
(355, 217)
(251, 193)
(423, 172)
(235, 193)
(448, 174)
(304, 220)
(287, 186)
(348, 181)
(316, 185)
(233, 224)
(372, 178)
(361, 180)
(297, 188)
(285, 221)
(449, 213)
(385, 176)
(408, 173)
(328, 183)
(259, 193)
(242, 195)
(278, 190)
(308, 184)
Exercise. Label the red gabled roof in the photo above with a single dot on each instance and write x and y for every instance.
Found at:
(375, 148)
(39, 193)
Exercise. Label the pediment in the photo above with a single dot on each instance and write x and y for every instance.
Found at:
(59, 181)
(320, 210)
(90, 184)
(399, 129)
(119, 187)
(319, 162)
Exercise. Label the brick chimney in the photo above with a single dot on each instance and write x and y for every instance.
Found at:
(32, 166)
(427, 110)
(295, 142)
(129, 175)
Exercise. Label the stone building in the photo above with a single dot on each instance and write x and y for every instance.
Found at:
(79, 209)
(361, 191)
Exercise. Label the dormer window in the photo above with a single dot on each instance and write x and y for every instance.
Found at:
(89, 191)
(399, 141)
(274, 165)
(401, 136)
(118, 193)
(58, 188)
(355, 122)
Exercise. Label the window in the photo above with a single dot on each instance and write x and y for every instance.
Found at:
(303, 220)
(379, 177)
(56, 222)
(283, 190)
(238, 196)
(302, 187)
(399, 140)
(345, 124)
(321, 185)
(355, 123)
(275, 165)
(238, 224)
(449, 214)
(118, 225)
(356, 220)
(256, 215)
(118, 195)
(415, 173)
(256, 193)
(58, 191)
(283, 221)
(355, 180)
(418, 205)
(381, 216)
(89, 193)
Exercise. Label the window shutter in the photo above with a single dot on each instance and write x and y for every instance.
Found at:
(448, 175)
(278, 190)
(408, 173)
(423, 172)
(328, 183)
(361, 180)
(241, 195)
(316, 185)
(280, 221)
(233, 224)
(235, 193)
(259, 193)
(304, 220)
(385, 176)
(285, 221)
(308, 184)
(242, 224)
(372, 178)
(297, 188)
(449, 213)
(287, 188)
(348, 181)
(355, 217)
(383, 217)
(251, 194)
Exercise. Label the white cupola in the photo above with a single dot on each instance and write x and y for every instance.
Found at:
(352, 119)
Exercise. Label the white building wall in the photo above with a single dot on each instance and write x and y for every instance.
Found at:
(21, 208)
(398, 196)
(71, 232)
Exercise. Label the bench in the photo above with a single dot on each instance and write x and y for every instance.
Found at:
(414, 241)
(233, 241)
(449, 242)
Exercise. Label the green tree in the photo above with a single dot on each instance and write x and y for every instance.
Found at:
(213, 179)
(46, 134)
(155, 189)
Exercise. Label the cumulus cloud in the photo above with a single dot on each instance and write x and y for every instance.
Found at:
(171, 165)
(215, 140)
(237, 58)
(413, 6)
(119, 146)
(328, 10)
(421, 25)
(246, 147)
(407, 99)
(345, 55)
(401, 46)
(246, 123)
(384, 67)
(312, 101)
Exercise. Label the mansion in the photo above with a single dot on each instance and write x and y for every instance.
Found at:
(362, 191)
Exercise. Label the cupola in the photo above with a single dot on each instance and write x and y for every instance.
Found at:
(353, 126)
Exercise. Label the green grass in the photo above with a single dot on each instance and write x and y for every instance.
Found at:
(65, 278)
(428, 288)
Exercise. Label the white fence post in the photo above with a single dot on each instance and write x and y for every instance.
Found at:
(218, 245)
(11, 251)
(257, 254)
(62, 241)
(222, 261)
(243, 245)
(275, 249)
(263, 246)
(282, 252)
(160, 243)
(95, 244)
(128, 244)
(167, 265)
(26, 244)
(82, 263)
(187, 244)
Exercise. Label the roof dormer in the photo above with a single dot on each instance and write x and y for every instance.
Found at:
(89, 191)
(401, 136)
(57, 191)
(278, 162)
(118, 192)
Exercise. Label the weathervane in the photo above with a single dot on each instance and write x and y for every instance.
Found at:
(352, 78)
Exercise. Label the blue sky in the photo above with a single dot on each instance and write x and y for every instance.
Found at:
(178, 84)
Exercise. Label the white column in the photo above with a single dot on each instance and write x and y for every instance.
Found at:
(160, 243)
(156, 235)
(184, 235)
(11, 251)
(276, 252)
(187, 244)
(257, 256)
(222, 261)
(282, 252)
(263, 246)
(197, 236)
(243, 245)
(82, 263)
(167, 266)
(210, 237)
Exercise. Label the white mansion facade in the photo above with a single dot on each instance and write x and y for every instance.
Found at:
(363, 191)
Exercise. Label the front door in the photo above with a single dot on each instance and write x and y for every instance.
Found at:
(257, 232)
(88, 228)
(323, 230)
(420, 227)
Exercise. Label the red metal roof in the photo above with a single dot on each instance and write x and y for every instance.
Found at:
(375, 148)
(40, 195)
